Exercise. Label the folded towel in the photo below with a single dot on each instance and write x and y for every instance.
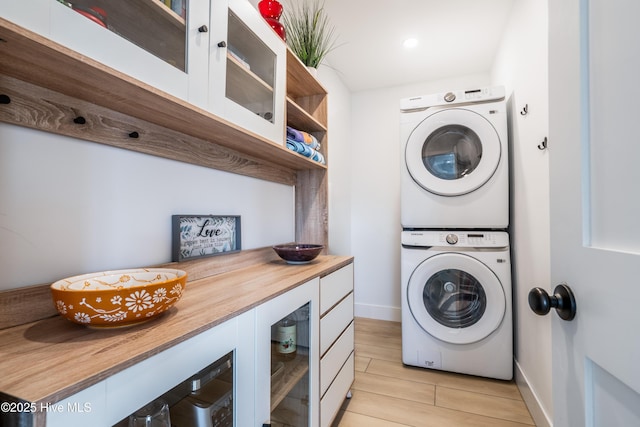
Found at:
(305, 150)
(318, 157)
(304, 137)
(299, 147)
(294, 134)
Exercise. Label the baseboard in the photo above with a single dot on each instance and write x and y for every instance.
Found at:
(378, 312)
(540, 417)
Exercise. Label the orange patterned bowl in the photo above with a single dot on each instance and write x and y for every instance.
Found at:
(118, 298)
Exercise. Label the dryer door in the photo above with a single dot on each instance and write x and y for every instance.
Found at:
(456, 298)
(453, 152)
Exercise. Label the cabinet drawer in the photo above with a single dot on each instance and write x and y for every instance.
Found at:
(335, 286)
(333, 360)
(334, 322)
(332, 400)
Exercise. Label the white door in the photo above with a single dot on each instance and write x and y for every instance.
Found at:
(594, 66)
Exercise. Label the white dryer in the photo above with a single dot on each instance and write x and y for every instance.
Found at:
(456, 302)
(455, 160)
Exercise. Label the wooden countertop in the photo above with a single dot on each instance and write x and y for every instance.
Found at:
(51, 359)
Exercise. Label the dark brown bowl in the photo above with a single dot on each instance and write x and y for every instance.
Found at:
(298, 253)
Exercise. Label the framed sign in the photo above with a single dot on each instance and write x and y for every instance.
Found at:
(198, 236)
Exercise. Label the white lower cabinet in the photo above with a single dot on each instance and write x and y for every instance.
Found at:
(335, 395)
(286, 377)
(291, 362)
(336, 341)
(110, 401)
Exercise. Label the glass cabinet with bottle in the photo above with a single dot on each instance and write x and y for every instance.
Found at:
(286, 348)
(290, 369)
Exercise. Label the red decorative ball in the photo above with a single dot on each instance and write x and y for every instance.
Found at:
(270, 9)
(278, 27)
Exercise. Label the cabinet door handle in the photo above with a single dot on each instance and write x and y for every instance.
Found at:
(222, 44)
(203, 29)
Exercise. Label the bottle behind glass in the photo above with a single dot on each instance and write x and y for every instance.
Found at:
(286, 342)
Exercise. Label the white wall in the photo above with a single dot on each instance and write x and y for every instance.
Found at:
(68, 206)
(375, 192)
(521, 66)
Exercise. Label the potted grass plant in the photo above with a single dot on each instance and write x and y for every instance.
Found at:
(309, 33)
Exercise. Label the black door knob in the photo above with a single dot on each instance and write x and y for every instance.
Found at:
(562, 300)
(203, 29)
(222, 44)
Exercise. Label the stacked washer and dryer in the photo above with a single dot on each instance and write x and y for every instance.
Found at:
(455, 256)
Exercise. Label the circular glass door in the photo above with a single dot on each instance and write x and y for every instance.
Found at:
(456, 298)
(453, 152)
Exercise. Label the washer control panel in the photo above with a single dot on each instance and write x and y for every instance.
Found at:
(479, 239)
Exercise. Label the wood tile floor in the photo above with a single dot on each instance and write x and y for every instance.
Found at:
(387, 393)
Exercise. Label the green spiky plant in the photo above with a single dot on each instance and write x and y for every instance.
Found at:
(309, 33)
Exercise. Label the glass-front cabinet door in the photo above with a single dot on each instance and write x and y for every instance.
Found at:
(287, 359)
(206, 380)
(290, 369)
(248, 69)
(159, 27)
(155, 42)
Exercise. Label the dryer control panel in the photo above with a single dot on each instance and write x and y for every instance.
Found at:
(446, 238)
(485, 94)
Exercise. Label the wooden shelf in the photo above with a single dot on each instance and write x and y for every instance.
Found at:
(307, 110)
(162, 10)
(247, 88)
(299, 118)
(294, 371)
(300, 82)
(49, 85)
(306, 101)
(306, 97)
(81, 82)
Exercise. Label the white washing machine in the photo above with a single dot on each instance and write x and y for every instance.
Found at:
(456, 302)
(455, 163)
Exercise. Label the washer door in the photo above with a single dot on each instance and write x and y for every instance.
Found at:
(453, 152)
(456, 298)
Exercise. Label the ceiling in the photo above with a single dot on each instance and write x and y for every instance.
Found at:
(455, 38)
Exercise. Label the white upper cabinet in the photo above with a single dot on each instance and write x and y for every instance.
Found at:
(143, 39)
(247, 69)
(218, 55)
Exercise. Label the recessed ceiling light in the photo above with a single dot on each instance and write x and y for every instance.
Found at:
(409, 43)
